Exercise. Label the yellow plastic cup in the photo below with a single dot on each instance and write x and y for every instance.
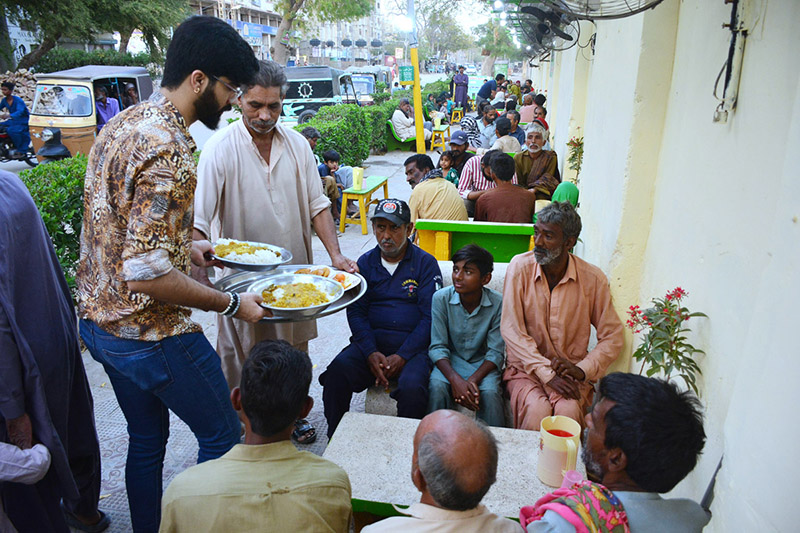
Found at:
(358, 178)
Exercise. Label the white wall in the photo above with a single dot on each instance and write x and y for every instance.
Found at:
(670, 198)
(725, 227)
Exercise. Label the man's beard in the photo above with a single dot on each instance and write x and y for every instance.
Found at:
(534, 148)
(546, 257)
(593, 467)
(207, 109)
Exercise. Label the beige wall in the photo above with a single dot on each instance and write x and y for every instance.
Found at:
(670, 198)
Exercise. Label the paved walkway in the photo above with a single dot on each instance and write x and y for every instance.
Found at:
(182, 447)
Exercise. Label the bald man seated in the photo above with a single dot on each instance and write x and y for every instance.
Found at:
(454, 464)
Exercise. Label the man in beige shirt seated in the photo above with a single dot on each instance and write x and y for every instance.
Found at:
(551, 300)
(454, 464)
(265, 484)
(432, 196)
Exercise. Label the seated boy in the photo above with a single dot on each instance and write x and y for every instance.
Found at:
(327, 171)
(342, 179)
(466, 345)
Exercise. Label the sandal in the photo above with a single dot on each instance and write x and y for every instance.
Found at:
(304, 432)
(75, 523)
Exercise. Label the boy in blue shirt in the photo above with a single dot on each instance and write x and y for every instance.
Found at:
(466, 345)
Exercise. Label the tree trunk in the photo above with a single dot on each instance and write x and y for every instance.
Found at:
(487, 69)
(124, 39)
(33, 57)
(281, 51)
(6, 53)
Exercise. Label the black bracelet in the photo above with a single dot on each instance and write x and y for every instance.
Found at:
(236, 305)
(231, 303)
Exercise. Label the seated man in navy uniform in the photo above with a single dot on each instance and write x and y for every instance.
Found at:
(390, 324)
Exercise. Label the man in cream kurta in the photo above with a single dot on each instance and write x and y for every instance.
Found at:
(243, 195)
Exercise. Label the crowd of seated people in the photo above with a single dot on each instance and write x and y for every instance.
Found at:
(445, 347)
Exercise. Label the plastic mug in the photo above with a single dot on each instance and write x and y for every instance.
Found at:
(437, 122)
(570, 478)
(558, 448)
(358, 178)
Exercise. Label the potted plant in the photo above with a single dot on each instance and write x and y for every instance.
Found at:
(664, 348)
(575, 158)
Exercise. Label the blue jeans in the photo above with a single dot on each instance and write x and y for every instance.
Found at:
(181, 373)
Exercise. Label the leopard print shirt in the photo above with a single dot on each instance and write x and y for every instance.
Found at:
(137, 220)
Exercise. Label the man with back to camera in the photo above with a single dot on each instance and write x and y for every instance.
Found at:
(643, 437)
(476, 179)
(506, 202)
(264, 484)
(134, 289)
(391, 324)
(551, 300)
(454, 465)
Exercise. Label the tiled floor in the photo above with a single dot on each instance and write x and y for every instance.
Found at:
(182, 448)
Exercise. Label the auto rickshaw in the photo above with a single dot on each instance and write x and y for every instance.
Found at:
(64, 106)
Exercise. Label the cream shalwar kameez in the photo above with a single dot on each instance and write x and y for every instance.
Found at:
(240, 196)
(539, 325)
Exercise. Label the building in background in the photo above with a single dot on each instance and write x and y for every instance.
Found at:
(255, 20)
(343, 44)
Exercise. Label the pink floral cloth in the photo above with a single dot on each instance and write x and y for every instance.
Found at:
(589, 507)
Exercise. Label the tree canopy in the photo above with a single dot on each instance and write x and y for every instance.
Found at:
(83, 19)
(296, 13)
(496, 42)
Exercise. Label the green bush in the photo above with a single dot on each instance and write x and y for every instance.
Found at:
(57, 190)
(63, 59)
(436, 88)
(343, 128)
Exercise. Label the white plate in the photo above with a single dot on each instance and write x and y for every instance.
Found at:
(350, 280)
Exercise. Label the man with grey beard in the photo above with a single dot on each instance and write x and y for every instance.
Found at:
(551, 299)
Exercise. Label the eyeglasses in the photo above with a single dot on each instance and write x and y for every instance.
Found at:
(237, 92)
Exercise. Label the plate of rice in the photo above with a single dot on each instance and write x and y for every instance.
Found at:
(297, 295)
(248, 255)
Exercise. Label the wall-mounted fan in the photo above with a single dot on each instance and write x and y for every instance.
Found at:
(550, 30)
(601, 9)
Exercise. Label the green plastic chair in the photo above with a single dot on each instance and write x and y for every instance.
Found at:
(393, 141)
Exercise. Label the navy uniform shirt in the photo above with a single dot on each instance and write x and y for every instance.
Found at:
(396, 305)
(486, 89)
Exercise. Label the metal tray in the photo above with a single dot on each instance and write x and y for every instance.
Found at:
(241, 281)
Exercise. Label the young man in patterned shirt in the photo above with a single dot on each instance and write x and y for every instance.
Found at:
(134, 293)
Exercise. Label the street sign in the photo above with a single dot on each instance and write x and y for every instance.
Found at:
(398, 53)
(406, 75)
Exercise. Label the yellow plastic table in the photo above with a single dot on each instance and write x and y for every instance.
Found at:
(364, 197)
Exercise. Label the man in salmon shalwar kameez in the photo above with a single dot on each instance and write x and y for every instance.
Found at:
(551, 299)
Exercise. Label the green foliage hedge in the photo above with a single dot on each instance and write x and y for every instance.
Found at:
(57, 190)
(63, 59)
(343, 128)
(355, 131)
